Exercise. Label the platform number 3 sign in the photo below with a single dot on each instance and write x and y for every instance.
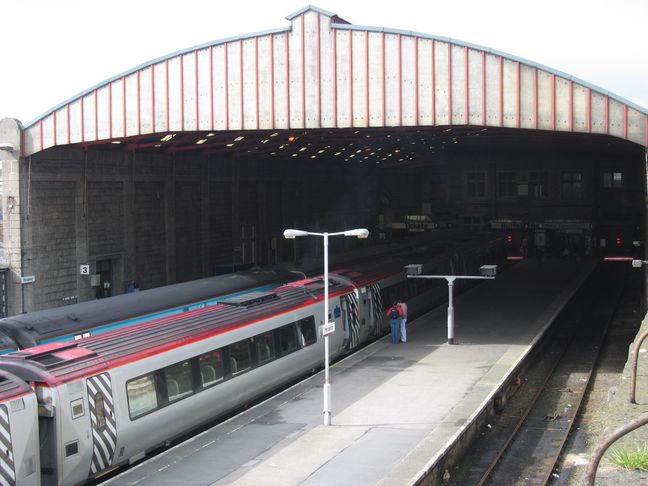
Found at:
(85, 269)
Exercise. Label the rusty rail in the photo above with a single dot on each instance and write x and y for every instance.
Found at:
(597, 455)
(635, 361)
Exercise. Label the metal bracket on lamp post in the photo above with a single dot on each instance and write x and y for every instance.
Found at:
(290, 234)
(488, 273)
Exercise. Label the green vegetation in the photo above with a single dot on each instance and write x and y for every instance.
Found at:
(636, 458)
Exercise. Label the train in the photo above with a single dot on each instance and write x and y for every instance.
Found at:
(72, 322)
(72, 411)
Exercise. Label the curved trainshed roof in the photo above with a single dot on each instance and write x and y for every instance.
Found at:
(322, 72)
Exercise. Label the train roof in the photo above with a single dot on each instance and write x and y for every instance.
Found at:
(12, 387)
(56, 363)
(86, 315)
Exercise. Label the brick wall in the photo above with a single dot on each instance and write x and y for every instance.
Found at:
(150, 235)
(51, 257)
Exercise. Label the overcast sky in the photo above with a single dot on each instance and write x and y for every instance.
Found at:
(54, 49)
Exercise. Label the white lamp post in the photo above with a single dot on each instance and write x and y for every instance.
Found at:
(290, 234)
(487, 273)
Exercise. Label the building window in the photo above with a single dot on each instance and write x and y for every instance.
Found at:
(539, 184)
(572, 185)
(472, 222)
(506, 184)
(612, 180)
(476, 184)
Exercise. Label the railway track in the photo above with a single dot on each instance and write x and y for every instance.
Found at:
(522, 445)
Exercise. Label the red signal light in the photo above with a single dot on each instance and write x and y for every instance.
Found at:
(618, 241)
(509, 239)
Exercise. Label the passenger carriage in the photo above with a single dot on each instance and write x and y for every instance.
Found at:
(107, 400)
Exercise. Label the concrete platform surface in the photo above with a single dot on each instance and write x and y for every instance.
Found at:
(396, 408)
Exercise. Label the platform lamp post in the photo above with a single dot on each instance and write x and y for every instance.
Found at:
(329, 327)
(487, 272)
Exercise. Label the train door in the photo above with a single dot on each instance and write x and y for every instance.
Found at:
(351, 320)
(7, 466)
(104, 425)
(375, 314)
(47, 436)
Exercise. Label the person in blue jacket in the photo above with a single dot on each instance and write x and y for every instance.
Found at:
(394, 315)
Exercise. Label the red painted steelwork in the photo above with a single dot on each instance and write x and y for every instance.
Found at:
(483, 56)
(416, 80)
(272, 90)
(139, 104)
(124, 105)
(211, 86)
(384, 88)
(367, 76)
(535, 96)
(242, 84)
(319, 71)
(110, 114)
(518, 101)
(96, 116)
(501, 92)
(335, 90)
(433, 83)
(400, 81)
(166, 89)
(54, 127)
(196, 74)
(571, 105)
(287, 81)
(82, 122)
(589, 110)
(153, 97)
(351, 118)
(466, 94)
(303, 72)
(553, 101)
(182, 94)
(449, 84)
(226, 74)
(256, 77)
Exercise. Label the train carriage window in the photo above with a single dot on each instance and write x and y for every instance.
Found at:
(212, 370)
(288, 339)
(265, 349)
(142, 395)
(179, 380)
(307, 329)
(99, 422)
(239, 354)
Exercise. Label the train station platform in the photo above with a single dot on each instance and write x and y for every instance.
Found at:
(397, 409)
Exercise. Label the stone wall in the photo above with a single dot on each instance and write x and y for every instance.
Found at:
(160, 219)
